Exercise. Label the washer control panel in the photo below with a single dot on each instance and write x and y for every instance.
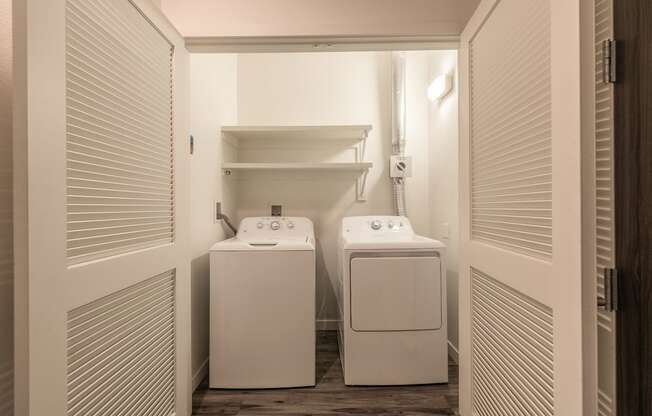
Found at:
(275, 227)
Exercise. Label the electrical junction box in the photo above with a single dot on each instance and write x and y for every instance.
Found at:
(400, 167)
(277, 210)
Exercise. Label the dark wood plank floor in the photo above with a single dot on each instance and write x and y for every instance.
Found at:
(331, 396)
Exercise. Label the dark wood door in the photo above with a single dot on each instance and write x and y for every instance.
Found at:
(633, 175)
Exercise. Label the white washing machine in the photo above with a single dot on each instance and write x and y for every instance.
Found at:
(392, 299)
(262, 305)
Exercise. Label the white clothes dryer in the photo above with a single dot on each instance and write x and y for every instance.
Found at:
(392, 300)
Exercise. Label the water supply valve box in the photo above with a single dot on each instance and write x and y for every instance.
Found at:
(400, 167)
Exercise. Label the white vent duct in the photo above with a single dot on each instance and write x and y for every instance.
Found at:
(398, 126)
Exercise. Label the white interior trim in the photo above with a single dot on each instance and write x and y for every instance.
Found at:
(283, 44)
(200, 375)
(453, 352)
(590, 345)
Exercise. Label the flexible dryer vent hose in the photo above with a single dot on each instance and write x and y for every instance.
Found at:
(398, 189)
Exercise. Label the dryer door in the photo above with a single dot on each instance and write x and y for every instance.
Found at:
(396, 293)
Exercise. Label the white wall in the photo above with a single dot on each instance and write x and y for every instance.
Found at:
(318, 17)
(213, 99)
(443, 158)
(331, 88)
(6, 242)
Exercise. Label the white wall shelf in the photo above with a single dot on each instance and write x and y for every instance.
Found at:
(259, 137)
(356, 166)
(325, 132)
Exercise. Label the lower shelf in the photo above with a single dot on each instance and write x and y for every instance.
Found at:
(361, 168)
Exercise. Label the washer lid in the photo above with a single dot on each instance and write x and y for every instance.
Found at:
(236, 244)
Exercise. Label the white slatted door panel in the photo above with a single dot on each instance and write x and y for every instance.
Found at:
(7, 389)
(511, 161)
(6, 273)
(521, 316)
(512, 351)
(121, 352)
(103, 288)
(604, 152)
(6, 241)
(119, 131)
(604, 98)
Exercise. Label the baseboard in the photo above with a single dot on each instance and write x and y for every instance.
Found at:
(453, 353)
(326, 324)
(200, 375)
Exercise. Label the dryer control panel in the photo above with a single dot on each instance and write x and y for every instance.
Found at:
(374, 225)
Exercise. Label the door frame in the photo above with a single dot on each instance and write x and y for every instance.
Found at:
(285, 44)
(633, 205)
(589, 219)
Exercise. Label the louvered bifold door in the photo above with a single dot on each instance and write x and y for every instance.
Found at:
(119, 130)
(604, 204)
(121, 351)
(520, 196)
(102, 210)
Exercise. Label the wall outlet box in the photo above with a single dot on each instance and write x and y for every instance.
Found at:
(277, 210)
(444, 231)
(217, 212)
(400, 167)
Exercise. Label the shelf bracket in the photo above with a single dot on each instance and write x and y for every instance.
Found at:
(360, 149)
(361, 181)
(360, 187)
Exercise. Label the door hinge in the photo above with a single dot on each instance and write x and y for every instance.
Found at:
(609, 302)
(609, 61)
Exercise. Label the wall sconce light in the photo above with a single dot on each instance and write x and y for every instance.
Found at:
(440, 87)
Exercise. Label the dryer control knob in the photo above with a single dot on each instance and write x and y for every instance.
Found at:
(290, 225)
(275, 225)
(376, 225)
(259, 225)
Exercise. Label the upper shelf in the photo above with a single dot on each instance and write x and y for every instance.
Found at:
(331, 132)
(358, 166)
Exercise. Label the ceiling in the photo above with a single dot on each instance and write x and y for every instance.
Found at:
(330, 18)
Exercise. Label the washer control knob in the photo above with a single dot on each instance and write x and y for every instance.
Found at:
(275, 225)
(390, 225)
(290, 225)
(260, 225)
(376, 225)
